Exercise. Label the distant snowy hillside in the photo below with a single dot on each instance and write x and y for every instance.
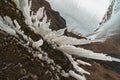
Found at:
(84, 16)
(81, 15)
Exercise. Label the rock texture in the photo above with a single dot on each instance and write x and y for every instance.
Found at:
(16, 63)
(57, 22)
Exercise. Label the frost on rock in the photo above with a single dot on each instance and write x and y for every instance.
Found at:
(39, 24)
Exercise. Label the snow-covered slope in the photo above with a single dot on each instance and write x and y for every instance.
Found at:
(82, 16)
(117, 6)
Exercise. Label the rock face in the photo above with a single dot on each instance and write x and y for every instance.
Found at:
(57, 22)
(17, 63)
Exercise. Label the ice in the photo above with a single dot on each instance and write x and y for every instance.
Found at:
(79, 15)
(76, 76)
(37, 44)
(72, 50)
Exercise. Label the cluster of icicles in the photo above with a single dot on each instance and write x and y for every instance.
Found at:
(55, 38)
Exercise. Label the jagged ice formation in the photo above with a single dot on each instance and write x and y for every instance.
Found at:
(39, 24)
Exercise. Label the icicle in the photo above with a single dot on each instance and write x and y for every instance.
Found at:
(83, 63)
(25, 7)
(1, 19)
(8, 20)
(39, 13)
(76, 76)
(60, 32)
(115, 59)
(64, 40)
(85, 53)
(75, 65)
(17, 25)
(44, 29)
(7, 29)
(17, 29)
(54, 34)
(36, 24)
(37, 44)
(50, 36)
(65, 44)
(17, 3)
(45, 18)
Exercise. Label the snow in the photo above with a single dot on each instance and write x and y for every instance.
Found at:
(85, 19)
(82, 16)
(110, 28)
(117, 6)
